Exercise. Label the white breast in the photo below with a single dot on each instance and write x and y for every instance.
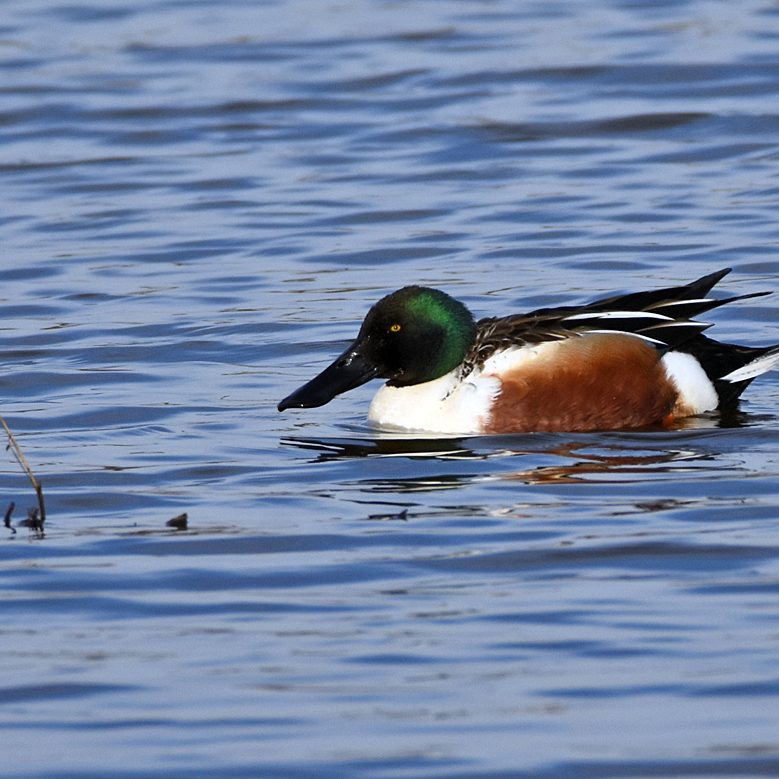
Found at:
(443, 405)
(447, 406)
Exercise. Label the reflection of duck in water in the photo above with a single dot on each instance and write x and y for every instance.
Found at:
(572, 461)
(622, 362)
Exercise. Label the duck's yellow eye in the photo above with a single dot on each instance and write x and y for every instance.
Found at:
(395, 328)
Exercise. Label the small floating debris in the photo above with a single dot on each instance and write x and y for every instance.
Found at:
(401, 515)
(33, 521)
(8, 514)
(179, 522)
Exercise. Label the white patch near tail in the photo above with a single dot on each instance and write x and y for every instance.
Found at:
(762, 364)
(696, 391)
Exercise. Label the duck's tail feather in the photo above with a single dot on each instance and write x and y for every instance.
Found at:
(763, 363)
(730, 367)
(694, 291)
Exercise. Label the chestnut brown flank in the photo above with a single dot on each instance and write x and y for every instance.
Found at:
(589, 382)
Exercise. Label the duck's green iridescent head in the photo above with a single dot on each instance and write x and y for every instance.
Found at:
(414, 335)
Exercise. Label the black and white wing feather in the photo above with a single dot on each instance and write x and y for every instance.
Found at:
(664, 318)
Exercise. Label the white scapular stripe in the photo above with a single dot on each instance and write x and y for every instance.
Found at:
(680, 323)
(603, 331)
(616, 315)
(685, 302)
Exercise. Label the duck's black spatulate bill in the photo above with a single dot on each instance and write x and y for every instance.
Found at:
(348, 371)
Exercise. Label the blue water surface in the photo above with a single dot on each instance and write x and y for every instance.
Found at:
(199, 202)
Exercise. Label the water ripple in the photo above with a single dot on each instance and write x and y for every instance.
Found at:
(201, 202)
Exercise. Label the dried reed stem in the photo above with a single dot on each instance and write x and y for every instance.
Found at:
(14, 446)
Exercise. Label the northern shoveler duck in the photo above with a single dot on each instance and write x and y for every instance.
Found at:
(627, 361)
